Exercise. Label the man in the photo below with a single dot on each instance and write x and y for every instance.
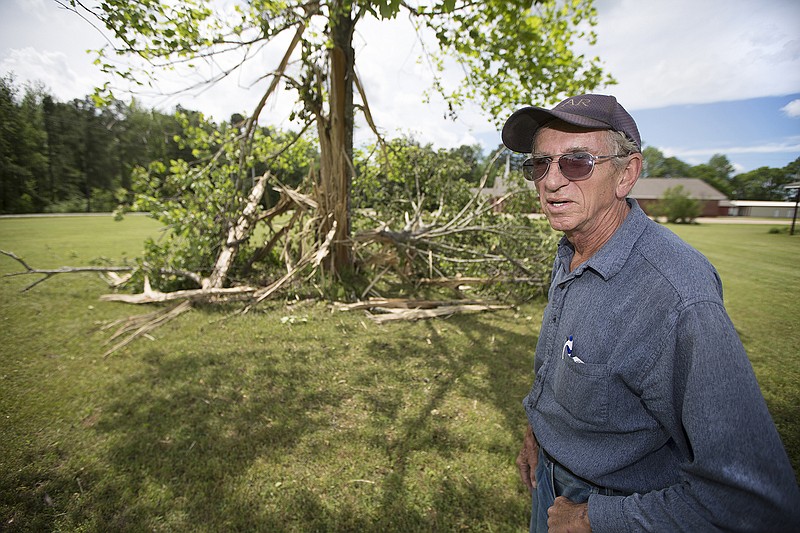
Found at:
(644, 414)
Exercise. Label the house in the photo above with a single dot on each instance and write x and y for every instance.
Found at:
(762, 209)
(649, 191)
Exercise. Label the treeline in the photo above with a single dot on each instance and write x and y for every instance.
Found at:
(58, 157)
(77, 157)
(764, 183)
(74, 156)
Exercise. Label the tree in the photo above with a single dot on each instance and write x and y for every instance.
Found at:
(656, 165)
(717, 173)
(766, 183)
(678, 207)
(23, 159)
(529, 47)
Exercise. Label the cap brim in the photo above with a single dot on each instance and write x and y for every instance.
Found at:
(521, 126)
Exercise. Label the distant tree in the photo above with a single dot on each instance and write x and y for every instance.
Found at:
(764, 183)
(23, 158)
(10, 182)
(653, 162)
(717, 173)
(73, 156)
(656, 165)
(677, 206)
(472, 157)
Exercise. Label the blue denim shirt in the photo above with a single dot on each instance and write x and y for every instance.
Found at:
(643, 386)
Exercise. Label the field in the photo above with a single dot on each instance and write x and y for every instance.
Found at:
(298, 418)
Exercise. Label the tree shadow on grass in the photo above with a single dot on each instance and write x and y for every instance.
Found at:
(189, 426)
(204, 441)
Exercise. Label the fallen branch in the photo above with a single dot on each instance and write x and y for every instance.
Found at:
(313, 257)
(141, 325)
(236, 234)
(445, 310)
(403, 303)
(392, 309)
(460, 282)
(50, 272)
(149, 296)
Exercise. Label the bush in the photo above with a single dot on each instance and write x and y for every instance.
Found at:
(678, 207)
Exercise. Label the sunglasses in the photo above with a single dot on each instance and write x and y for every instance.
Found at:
(575, 166)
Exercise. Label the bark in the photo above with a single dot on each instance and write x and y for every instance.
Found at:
(336, 143)
(236, 234)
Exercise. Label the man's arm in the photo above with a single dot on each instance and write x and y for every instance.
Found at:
(736, 475)
(528, 459)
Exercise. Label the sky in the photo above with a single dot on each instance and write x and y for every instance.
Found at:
(700, 77)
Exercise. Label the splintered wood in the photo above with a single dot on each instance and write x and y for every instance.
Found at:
(383, 310)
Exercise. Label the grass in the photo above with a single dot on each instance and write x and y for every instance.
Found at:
(298, 418)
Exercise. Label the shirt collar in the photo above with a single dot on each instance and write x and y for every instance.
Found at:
(610, 259)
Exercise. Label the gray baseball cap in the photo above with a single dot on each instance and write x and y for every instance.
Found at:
(594, 111)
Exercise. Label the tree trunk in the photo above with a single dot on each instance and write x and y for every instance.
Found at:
(236, 234)
(336, 142)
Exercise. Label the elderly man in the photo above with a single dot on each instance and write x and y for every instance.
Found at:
(644, 414)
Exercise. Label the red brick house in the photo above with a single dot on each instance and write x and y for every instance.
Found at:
(649, 191)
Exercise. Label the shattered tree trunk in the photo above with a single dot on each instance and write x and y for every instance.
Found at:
(236, 234)
(336, 144)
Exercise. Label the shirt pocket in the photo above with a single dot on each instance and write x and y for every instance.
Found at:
(582, 389)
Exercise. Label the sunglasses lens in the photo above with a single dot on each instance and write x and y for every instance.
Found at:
(576, 166)
(535, 167)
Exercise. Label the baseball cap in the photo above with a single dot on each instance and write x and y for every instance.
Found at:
(594, 111)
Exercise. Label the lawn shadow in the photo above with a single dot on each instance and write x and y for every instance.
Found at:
(186, 427)
(188, 439)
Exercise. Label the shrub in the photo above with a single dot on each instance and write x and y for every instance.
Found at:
(678, 207)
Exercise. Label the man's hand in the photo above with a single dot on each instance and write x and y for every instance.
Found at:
(527, 459)
(568, 517)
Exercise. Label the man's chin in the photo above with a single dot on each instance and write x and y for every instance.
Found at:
(559, 222)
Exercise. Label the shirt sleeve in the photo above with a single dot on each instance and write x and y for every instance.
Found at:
(736, 475)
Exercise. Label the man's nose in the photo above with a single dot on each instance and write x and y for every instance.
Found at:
(553, 178)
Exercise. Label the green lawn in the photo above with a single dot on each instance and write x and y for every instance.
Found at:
(299, 418)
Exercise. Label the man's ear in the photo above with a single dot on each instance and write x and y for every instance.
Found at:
(627, 178)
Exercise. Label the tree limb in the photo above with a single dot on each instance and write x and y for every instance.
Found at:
(50, 272)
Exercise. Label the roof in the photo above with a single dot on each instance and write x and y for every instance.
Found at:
(654, 188)
(760, 203)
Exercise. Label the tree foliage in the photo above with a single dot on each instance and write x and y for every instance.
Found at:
(656, 165)
(717, 173)
(532, 47)
(766, 183)
(529, 46)
(73, 156)
(420, 211)
(198, 198)
(677, 206)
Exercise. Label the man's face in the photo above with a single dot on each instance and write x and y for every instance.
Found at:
(578, 208)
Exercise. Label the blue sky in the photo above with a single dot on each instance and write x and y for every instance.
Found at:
(715, 76)
(754, 132)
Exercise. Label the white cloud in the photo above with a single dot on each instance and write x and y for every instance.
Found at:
(790, 145)
(48, 67)
(689, 52)
(792, 109)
